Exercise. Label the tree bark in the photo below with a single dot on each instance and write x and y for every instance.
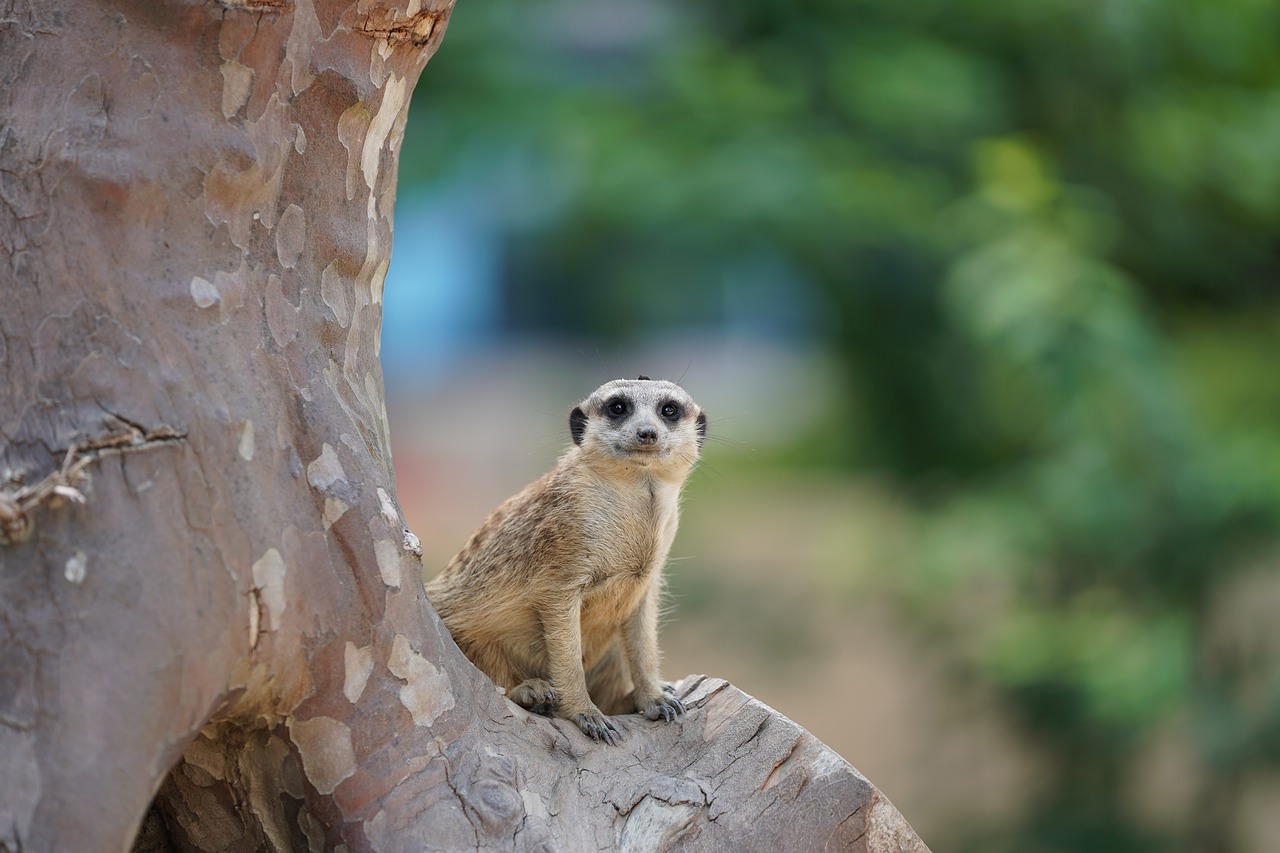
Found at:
(206, 587)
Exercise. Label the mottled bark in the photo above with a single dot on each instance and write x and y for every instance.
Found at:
(203, 568)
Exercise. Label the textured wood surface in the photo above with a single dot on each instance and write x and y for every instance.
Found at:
(733, 775)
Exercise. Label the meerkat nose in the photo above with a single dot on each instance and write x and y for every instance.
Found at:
(646, 435)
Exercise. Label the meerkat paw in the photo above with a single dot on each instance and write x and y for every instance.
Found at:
(664, 706)
(535, 695)
(598, 727)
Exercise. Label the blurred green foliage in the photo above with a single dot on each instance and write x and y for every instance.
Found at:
(1043, 237)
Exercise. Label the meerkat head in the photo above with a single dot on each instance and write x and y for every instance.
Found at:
(643, 422)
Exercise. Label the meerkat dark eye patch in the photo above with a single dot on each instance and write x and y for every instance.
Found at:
(577, 424)
(670, 411)
(702, 427)
(617, 407)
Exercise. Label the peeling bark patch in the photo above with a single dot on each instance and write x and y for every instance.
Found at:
(375, 830)
(291, 235)
(204, 754)
(237, 80)
(245, 192)
(239, 198)
(388, 561)
(669, 790)
(657, 825)
(304, 35)
(428, 692)
(352, 126)
(334, 509)
(388, 508)
(327, 754)
(333, 294)
(358, 664)
(74, 570)
(268, 581)
(282, 317)
(246, 446)
(377, 284)
(204, 293)
(393, 95)
(416, 29)
(325, 470)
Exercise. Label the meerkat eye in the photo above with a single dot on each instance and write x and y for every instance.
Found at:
(616, 408)
(670, 411)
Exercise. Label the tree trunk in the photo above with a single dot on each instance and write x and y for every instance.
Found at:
(206, 587)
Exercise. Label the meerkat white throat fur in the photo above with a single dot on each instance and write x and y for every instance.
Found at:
(555, 596)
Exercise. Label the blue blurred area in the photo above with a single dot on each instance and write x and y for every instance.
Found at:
(442, 296)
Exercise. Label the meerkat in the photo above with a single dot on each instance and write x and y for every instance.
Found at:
(555, 596)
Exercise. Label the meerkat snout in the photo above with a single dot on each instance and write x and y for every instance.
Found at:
(555, 596)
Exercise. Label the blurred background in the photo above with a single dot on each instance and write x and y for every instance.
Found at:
(983, 299)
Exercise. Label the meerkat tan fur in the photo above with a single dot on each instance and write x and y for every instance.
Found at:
(555, 596)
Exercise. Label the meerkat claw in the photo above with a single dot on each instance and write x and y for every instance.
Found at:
(599, 727)
(665, 707)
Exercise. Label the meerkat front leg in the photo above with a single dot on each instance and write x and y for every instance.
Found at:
(640, 639)
(563, 626)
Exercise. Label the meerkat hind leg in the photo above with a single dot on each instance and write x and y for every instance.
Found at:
(535, 695)
(609, 683)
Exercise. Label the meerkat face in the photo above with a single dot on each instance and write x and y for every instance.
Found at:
(644, 422)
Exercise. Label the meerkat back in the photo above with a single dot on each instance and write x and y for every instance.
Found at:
(555, 595)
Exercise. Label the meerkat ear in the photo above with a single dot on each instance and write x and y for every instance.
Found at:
(702, 427)
(577, 424)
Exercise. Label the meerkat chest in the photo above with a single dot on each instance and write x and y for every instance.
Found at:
(632, 531)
